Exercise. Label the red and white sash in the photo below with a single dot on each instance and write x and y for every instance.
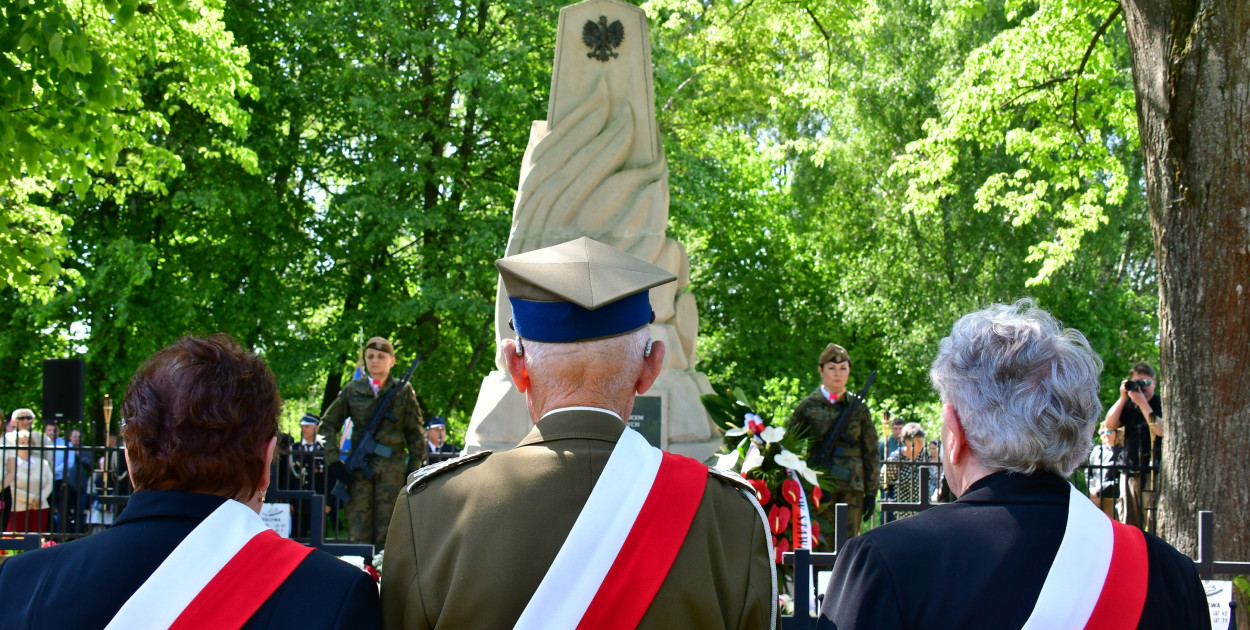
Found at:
(623, 543)
(217, 577)
(1098, 579)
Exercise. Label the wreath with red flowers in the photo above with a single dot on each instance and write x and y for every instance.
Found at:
(774, 461)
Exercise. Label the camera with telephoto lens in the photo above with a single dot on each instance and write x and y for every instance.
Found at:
(1137, 386)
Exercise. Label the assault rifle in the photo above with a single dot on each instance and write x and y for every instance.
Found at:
(368, 444)
(824, 456)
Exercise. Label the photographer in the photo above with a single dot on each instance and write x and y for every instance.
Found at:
(1138, 410)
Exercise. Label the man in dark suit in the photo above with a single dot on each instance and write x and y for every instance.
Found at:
(1021, 547)
(437, 448)
(308, 461)
(201, 420)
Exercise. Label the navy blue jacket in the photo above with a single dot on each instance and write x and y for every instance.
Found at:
(980, 563)
(82, 584)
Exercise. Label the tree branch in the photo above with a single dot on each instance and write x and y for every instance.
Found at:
(828, 40)
(1089, 50)
(742, 10)
(691, 78)
(1034, 88)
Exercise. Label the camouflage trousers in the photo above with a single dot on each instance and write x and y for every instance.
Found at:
(372, 501)
(854, 516)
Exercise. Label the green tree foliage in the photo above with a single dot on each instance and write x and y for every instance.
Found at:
(299, 174)
(385, 159)
(893, 165)
(86, 86)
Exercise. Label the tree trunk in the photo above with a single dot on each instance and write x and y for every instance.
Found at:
(1191, 74)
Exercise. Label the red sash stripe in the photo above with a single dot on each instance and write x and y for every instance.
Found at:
(243, 585)
(1123, 594)
(651, 546)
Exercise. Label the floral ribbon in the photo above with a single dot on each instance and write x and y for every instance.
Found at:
(802, 516)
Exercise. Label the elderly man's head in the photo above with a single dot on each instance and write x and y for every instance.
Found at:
(581, 313)
(1020, 392)
(601, 373)
(201, 415)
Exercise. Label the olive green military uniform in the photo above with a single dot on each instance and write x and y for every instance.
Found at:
(855, 461)
(471, 539)
(372, 500)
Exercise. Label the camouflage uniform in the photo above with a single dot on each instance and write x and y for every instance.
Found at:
(855, 461)
(372, 500)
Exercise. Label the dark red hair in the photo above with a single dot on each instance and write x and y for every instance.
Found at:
(198, 416)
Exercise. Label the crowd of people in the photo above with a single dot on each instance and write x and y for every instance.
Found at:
(585, 524)
(49, 483)
(53, 485)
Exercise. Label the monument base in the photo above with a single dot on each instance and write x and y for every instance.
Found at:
(501, 420)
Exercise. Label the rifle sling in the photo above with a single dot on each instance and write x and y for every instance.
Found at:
(826, 448)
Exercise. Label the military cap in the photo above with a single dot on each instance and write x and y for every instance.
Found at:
(578, 291)
(835, 353)
(310, 419)
(435, 421)
(378, 343)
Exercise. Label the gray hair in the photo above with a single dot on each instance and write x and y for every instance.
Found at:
(566, 362)
(911, 430)
(1025, 388)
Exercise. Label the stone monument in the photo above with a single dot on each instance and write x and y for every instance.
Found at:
(596, 168)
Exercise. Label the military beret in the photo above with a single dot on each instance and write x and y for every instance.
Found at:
(835, 353)
(578, 291)
(435, 421)
(310, 419)
(378, 343)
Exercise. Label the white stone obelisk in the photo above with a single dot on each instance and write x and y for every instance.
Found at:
(596, 168)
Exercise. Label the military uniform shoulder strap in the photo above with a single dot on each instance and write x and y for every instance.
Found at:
(417, 480)
(731, 478)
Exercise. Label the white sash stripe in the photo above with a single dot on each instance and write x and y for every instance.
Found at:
(189, 568)
(805, 516)
(597, 536)
(1079, 571)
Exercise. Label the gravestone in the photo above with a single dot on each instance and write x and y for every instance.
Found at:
(596, 168)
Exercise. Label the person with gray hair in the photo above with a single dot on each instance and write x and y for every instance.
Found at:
(1021, 547)
(584, 523)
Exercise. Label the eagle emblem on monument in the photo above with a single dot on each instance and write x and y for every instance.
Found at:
(602, 37)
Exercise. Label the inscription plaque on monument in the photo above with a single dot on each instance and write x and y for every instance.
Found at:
(647, 418)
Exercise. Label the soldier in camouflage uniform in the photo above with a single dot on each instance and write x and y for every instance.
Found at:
(372, 500)
(854, 461)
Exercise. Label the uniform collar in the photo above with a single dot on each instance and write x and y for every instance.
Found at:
(586, 423)
(1009, 487)
(823, 394)
(145, 504)
(579, 408)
